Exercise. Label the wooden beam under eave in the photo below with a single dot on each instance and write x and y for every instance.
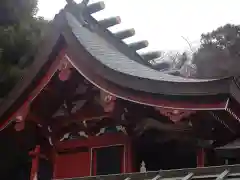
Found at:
(138, 45)
(86, 113)
(88, 129)
(65, 122)
(151, 55)
(106, 23)
(125, 33)
(95, 7)
(79, 118)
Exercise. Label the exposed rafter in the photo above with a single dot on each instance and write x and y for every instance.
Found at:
(150, 123)
(95, 7)
(109, 22)
(151, 55)
(138, 45)
(125, 33)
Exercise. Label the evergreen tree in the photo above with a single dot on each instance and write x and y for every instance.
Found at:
(219, 54)
(20, 33)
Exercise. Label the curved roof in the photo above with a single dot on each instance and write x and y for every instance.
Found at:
(108, 55)
(118, 67)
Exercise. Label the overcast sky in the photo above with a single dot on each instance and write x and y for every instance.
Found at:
(162, 22)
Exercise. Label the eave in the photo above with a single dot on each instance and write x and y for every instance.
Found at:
(99, 64)
(138, 89)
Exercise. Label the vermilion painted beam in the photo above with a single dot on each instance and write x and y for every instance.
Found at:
(89, 129)
(93, 141)
(35, 163)
(200, 157)
(86, 113)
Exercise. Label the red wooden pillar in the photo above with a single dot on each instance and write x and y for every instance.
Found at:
(35, 162)
(200, 157)
(129, 158)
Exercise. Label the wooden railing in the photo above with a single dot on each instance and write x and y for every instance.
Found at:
(217, 173)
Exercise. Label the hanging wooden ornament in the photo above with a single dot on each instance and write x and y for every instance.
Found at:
(175, 115)
(64, 69)
(107, 101)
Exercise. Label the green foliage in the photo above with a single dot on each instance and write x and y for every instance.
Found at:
(15, 11)
(219, 53)
(20, 33)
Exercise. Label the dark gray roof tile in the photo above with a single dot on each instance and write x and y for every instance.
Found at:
(108, 55)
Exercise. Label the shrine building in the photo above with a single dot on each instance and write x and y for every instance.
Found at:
(91, 104)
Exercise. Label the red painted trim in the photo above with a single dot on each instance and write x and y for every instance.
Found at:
(35, 162)
(129, 158)
(124, 159)
(39, 87)
(201, 157)
(93, 143)
(144, 98)
(53, 160)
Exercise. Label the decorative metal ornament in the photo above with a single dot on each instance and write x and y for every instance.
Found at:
(50, 141)
(112, 129)
(108, 98)
(65, 136)
(121, 129)
(69, 136)
(102, 131)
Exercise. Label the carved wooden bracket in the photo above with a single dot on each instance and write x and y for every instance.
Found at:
(107, 101)
(175, 115)
(118, 128)
(68, 136)
(20, 117)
